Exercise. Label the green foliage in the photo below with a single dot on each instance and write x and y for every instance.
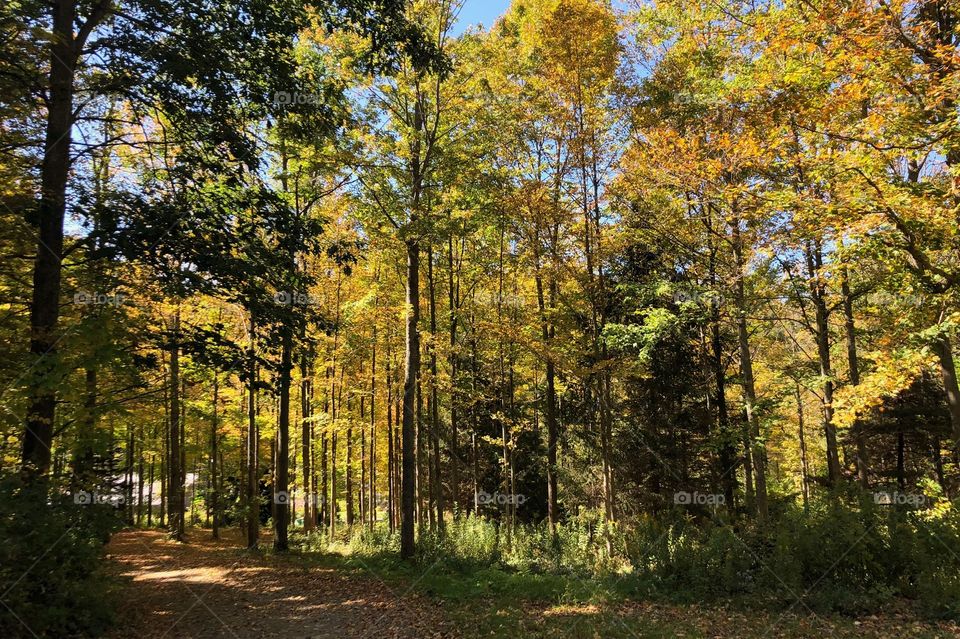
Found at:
(841, 555)
(51, 567)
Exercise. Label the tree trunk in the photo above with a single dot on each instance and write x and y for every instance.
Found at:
(372, 488)
(309, 507)
(436, 481)
(45, 302)
(726, 451)
(333, 484)
(391, 470)
(408, 427)
(175, 487)
(150, 494)
(281, 495)
(853, 364)
(822, 334)
(214, 452)
(550, 410)
(348, 469)
(452, 301)
(252, 497)
(948, 374)
(422, 460)
(165, 452)
(804, 471)
(757, 447)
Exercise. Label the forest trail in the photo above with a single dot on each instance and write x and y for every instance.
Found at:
(206, 588)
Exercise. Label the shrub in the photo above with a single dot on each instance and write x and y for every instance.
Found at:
(51, 567)
(843, 554)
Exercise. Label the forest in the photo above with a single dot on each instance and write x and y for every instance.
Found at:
(599, 318)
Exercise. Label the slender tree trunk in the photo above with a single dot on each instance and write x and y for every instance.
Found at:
(452, 301)
(550, 409)
(175, 506)
(948, 374)
(863, 467)
(757, 446)
(252, 496)
(281, 493)
(140, 477)
(309, 507)
(214, 453)
(408, 427)
(348, 469)
(476, 473)
(372, 489)
(901, 461)
(333, 484)
(422, 461)
(187, 505)
(502, 412)
(86, 455)
(814, 264)
(128, 475)
(150, 493)
(397, 452)
(436, 481)
(726, 451)
(391, 469)
(361, 490)
(164, 453)
(804, 471)
(325, 480)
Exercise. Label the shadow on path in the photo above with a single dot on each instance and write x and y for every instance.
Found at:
(205, 588)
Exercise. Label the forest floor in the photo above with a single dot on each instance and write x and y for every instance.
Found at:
(205, 588)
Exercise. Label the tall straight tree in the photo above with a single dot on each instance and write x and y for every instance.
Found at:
(147, 52)
(415, 103)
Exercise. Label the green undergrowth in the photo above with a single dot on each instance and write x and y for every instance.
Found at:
(842, 556)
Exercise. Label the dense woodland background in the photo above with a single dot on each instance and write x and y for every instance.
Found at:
(665, 290)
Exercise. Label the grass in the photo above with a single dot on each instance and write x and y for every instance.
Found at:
(490, 601)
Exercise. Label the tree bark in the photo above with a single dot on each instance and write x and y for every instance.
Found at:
(804, 471)
(408, 427)
(757, 448)
(436, 481)
(822, 330)
(372, 489)
(391, 470)
(854, 366)
(309, 507)
(252, 497)
(452, 302)
(175, 483)
(281, 488)
(948, 374)
(550, 409)
(214, 452)
(45, 303)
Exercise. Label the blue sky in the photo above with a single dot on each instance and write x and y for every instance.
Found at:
(480, 12)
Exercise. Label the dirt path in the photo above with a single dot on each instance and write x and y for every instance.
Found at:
(203, 588)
